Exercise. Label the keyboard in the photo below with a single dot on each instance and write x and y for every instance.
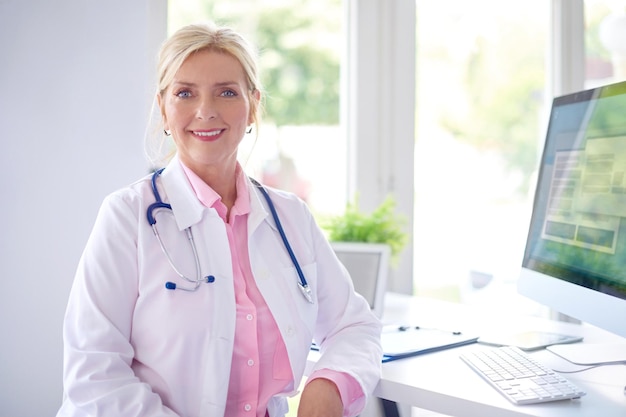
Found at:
(518, 377)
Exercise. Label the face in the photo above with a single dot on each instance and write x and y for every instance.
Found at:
(207, 109)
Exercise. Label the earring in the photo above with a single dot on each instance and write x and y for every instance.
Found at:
(167, 132)
(249, 130)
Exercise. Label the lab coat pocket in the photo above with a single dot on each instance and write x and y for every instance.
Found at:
(307, 308)
(309, 276)
(294, 306)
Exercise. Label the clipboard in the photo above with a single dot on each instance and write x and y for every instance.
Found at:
(400, 342)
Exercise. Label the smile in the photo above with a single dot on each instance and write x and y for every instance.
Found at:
(208, 134)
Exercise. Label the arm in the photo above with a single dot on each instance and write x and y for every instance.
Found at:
(320, 398)
(351, 393)
(347, 332)
(98, 378)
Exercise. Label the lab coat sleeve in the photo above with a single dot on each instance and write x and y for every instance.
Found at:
(98, 378)
(346, 330)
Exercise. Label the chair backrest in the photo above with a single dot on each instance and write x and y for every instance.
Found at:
(368, 266)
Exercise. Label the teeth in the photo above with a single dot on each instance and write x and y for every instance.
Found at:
(214, 133)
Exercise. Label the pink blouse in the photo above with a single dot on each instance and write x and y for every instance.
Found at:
(260, 365)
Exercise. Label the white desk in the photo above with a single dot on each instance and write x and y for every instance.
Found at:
(441, 382)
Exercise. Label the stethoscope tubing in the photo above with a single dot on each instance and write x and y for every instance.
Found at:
(159, 204)
(303, 285)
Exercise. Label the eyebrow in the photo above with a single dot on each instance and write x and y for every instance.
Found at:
(220, 84)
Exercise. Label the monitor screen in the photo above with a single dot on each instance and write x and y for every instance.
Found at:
(575, 255)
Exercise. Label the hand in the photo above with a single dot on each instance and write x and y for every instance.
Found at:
(320, 398)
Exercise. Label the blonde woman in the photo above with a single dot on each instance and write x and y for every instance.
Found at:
(200, 291)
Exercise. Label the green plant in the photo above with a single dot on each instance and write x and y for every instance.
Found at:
(383, 225)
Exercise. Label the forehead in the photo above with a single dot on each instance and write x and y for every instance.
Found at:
(210, 66)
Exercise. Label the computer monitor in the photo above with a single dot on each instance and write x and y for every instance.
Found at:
(575, 255)
(368, 266)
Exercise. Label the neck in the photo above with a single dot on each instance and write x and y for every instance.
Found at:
(224, 182)
(222, 178)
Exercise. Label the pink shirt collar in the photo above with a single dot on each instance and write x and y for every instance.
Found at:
(209, 198)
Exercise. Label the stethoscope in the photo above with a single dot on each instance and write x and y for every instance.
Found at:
(159, 204)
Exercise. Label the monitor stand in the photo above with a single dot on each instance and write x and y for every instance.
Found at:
(591, 354)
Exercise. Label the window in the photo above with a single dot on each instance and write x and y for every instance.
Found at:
(605, 49)
(480, 104)
(484, 78)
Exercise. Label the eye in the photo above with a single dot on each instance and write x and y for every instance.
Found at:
(228, 93)
(183, 94)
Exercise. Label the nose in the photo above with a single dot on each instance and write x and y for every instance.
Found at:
(206, 108)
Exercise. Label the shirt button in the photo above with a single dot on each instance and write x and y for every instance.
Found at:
(249, 317)
(250, 362)
(247, 407)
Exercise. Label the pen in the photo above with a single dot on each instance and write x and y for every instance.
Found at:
(405, 328)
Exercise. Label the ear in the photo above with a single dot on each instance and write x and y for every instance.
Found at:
(161, 105)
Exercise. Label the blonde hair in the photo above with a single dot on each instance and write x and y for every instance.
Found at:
(208, 36)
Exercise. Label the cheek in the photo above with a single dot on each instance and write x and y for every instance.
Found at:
(236, 115)
(176, 116)
(246, 114)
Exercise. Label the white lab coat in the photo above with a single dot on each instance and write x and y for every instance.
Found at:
(134, 348)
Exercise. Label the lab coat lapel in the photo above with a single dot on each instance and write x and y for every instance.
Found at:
(186, 207)
(259, 211)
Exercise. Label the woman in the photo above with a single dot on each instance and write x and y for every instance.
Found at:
(206, 314)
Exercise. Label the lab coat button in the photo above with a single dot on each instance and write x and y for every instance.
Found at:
(290, 331)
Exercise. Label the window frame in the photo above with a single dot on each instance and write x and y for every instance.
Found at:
(380, 116)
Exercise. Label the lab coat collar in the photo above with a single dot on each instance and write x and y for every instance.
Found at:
(188, 210)
(186, 207)
(259, 210)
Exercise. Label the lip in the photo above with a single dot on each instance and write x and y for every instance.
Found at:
(207, 135)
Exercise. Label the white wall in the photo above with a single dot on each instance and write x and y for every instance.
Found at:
(75, 90)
